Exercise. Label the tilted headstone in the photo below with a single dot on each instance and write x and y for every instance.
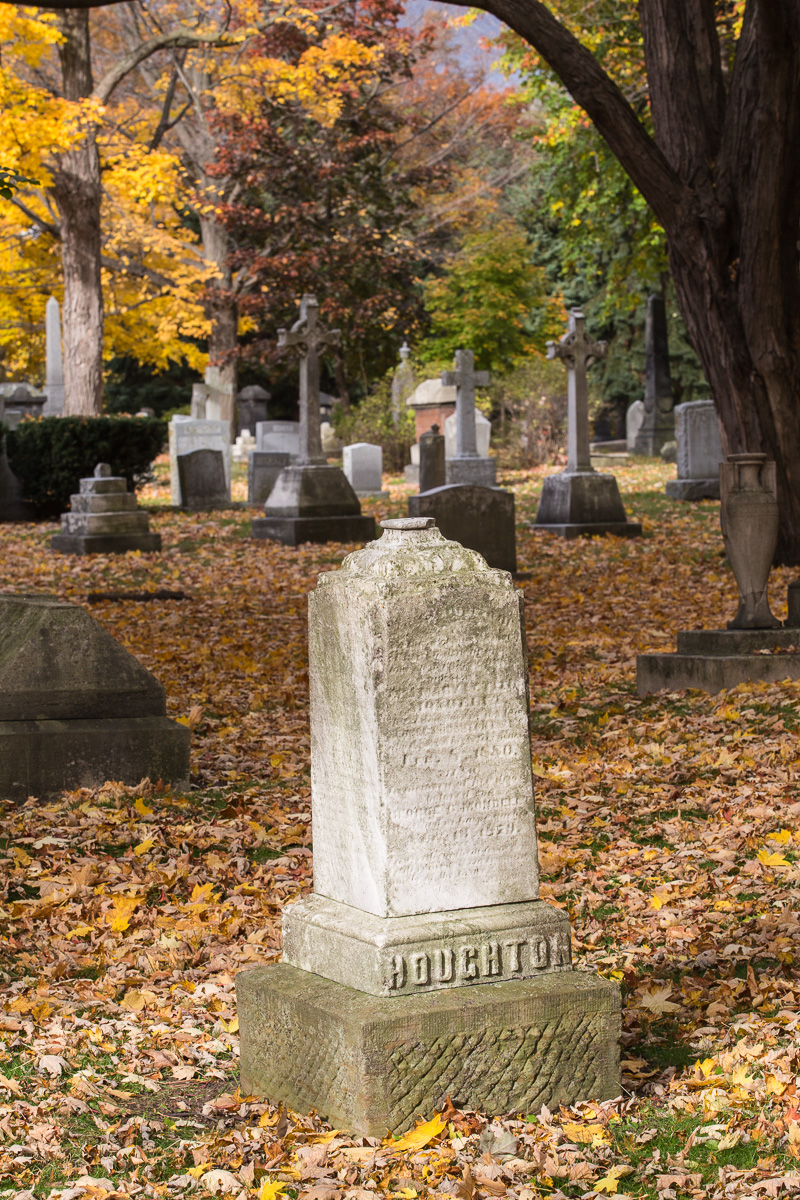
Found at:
(579, 500)
(424, 963)
(362, 464)
(633, 423)
(186, 435)
(699, 452)
(480, 518)
(76, 708)
(658, 421)
(104, 518)
(202, 479)
(311, 500)
(54, 369)
(278, 437)
(431, 453)
(467, 465)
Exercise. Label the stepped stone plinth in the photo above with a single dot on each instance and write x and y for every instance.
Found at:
(104, 519)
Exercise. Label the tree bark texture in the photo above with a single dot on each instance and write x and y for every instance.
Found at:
(77, 193)
(722, 175)
(222, 311)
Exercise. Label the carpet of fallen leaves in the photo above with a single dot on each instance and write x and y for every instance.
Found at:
(669, 831)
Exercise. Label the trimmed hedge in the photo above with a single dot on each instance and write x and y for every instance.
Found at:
(51, 455)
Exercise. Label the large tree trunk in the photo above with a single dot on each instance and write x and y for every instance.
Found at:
(722, 175)
(77, 193)
(222, 310)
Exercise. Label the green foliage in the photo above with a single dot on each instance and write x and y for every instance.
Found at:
(491, 299)
(530, 410)
(372, 420)
(131, 385)
(11, 181)
(51, 455)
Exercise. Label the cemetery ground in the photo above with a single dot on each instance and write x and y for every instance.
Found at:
(668, 829)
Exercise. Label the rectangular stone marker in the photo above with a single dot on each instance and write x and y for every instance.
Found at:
(362, 464)
(699, 452)
(186, 435)
(425, 865)
(278, 437)
(263, 469)
(480, 518)
(202, 479)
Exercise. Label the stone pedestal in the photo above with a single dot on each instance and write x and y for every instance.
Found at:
(104, 519)
(369, 1064)
(480, 518)
(76, 708)
(583, 503)
(313, 502)
(424, 964)
(714, 659)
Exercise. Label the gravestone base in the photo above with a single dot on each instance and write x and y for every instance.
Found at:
(105, 543)
(583, 503)
(373, 1063)
(45, 758)
(482, 472)
(712, 660)
(396, 956)
(293, 531)
(693, 489)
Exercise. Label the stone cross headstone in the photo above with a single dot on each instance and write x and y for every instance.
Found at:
(577, 351)
(54, 370)
(465, 379)
(424, 963)
(658, 423)
(309, 337)
(580, 500)
(311, 500)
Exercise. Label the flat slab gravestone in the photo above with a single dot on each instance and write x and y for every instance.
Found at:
(104, 518)
(480, 518)
(76, 708)
(424, 963)
(362, 464)
(699, 452)
(186, 435)
(202, 480)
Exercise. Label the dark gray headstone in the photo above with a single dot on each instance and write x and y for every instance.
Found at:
(431, 460)
(480, 518)
(202, 479)
(658, 423)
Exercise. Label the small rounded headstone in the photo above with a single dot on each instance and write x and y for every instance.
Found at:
(102, 471)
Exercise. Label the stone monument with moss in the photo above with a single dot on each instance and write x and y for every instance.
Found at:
(424, 963)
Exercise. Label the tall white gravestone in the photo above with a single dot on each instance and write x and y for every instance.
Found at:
(424, 963)
(579, 500)
(187, 435)
(54, 370)
(362, 463)
(699, 452)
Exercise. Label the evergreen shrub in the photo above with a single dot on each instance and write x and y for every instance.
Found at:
(50, 455)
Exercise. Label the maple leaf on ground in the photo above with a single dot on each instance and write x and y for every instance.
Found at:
(420, 1136)
(658, 1002)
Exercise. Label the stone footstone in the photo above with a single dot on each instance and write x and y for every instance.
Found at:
(371, 1063)
(583, 503)
(713, 660)
(480, 518)
(76, 708)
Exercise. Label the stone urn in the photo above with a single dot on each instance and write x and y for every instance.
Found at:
(749, 519)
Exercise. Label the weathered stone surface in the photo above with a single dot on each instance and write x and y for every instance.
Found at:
(202, 478)
(396, 956)
(44, 758)
(104, 519)
(12, 506)
(480, 518)
(187, 435)
(56, 661)
(699, 452)
(263, 469)
(104, 522)
(312, 490)
(735, 641)
(483, 435)
(692, 489)
(482, 472)
(370, 1063)
(711, 672)
(421, 766)
(105, 543)
(278, 437)
(103, 502)
(583, 503)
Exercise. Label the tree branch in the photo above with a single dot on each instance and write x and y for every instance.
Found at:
(600, 98)
(45, 226)
(164, 41)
